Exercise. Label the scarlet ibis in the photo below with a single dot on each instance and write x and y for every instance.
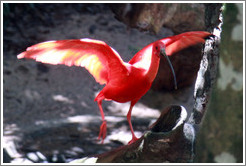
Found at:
(124, 81)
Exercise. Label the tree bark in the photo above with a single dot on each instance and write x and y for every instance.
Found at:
(209, 63)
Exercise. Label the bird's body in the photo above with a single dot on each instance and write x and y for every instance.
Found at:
(136, 80)
(134, 83)
(125, 82)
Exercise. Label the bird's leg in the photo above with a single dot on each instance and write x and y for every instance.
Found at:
(103, 127)
(134, 138)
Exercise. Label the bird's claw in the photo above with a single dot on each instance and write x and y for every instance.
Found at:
(134, 139)
(103, 131)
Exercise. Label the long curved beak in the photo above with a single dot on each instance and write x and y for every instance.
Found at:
(163, 52)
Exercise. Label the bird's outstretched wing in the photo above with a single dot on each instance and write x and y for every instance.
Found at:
(179, 42)
(173, 44)
(102, 61)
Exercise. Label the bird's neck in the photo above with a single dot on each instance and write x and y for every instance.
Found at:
(153, 68)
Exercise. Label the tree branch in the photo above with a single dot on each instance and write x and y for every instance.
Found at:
(169, 140)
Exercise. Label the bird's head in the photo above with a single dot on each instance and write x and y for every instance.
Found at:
(159, 49)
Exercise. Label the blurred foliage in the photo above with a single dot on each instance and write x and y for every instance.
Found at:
(228, 51)
(222, 129)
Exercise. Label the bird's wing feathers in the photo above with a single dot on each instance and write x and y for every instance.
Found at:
(142, 57)
(173, 44)
(103, 62)
(179, 42)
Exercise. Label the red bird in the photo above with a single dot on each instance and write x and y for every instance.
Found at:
(124, 81)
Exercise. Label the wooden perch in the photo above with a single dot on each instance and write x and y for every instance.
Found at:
(169, 140)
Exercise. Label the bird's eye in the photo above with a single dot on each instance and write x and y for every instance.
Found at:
(156, 47)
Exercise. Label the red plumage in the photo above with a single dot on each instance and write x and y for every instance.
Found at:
(124, 81)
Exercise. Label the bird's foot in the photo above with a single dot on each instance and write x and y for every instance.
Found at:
(103, 131)
(134, 139)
